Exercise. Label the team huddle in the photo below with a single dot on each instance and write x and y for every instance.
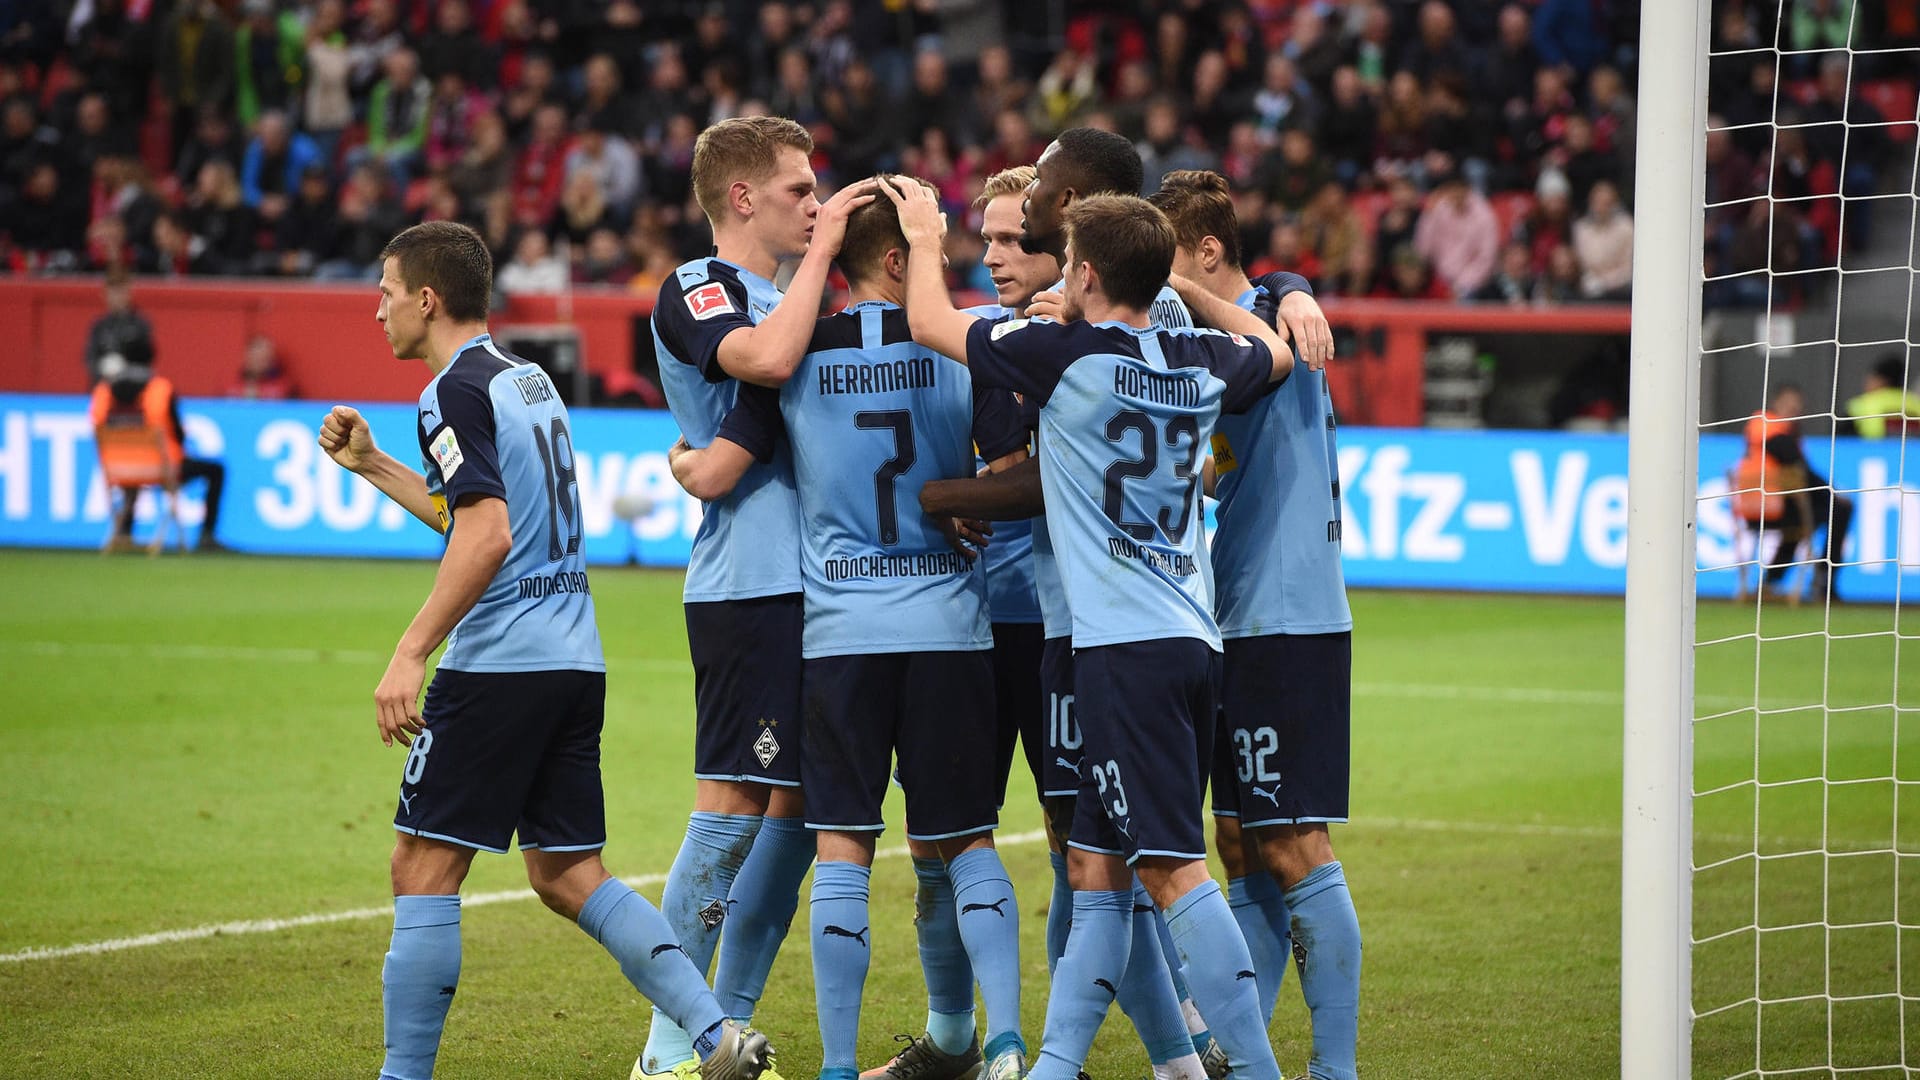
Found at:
(855, 621)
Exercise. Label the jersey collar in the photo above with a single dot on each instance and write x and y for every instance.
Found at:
(481, 340)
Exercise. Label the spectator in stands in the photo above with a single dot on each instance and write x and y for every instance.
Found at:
(1358, 276)
(862, 121)
(611, 160)
(1615, 119)
(1409, 277)
(222, 224)
(194, 62)
(454, 47)
(109, 248)
(305, 236)
(1331, 229)
(1455, 141)
(1549, 223)
(1819, 24)
(792, 94)
(1315, 50)
(397, 117)
(262, 378)
(113, 54)
(328, 108)
(1396, 224)
(95, 135)
(1349, 126)
(1560, 282)
(534, 269)
(1400, 142)
(484, 166)
(996, 90)
(276, 159)
(1885, 406)
(267, 60)
(1437, 52)
(450, 115)
(1514, 283)
(668, 93)
(132, 393)
(538, 87)
(605, 262)
(1285, 101)
(1583, 164)
(1458, 235)
(1214, 105)
(583, 209)
(1298, 173)
(1543, 125)
(1133, 92)
(213, 139)
(1507, 68)
(47, 220)
(1065, 91)
(376, 36)
(121, 330)
(370, 215)
(1603, 242)
(1166, 147)
(123, 191)
(1571, 33)
(772, 38)
(175, 251)
(539, 173)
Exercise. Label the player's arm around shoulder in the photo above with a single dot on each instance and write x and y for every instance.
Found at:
(347, 439)
(1222, 314)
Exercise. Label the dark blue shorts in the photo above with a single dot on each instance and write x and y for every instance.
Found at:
(1286, 729)
(1146, 710)
(1060, 764)
(934, 710)
(1017, 704)
(506, 752)
(746, 689)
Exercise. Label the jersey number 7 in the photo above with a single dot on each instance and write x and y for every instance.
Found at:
(901, 422)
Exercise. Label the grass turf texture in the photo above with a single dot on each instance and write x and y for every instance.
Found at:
(190, 741)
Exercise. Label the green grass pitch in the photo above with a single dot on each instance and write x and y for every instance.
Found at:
(190, 742)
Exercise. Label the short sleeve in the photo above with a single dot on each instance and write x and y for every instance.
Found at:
(461, 445)
(1280, 283)
(754, 423)
(1027, 356)
(1244, 364)
(998, 429)
(693, 317)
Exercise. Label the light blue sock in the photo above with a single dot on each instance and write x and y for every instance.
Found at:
(1220, 973)
(990, 925)
(1326, 944)
(842, 948)
(1086, 981)
(1196, 1030)
(695, 904)
(638, 936)
(418, 981)
(1146, 992)
(765, 895)
(943, 958)
(1059, 910)
(1262, 914)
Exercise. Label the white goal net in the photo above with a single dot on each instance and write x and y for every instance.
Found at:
(1797, 945)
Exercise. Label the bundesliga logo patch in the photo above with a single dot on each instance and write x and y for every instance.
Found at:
(709, 300)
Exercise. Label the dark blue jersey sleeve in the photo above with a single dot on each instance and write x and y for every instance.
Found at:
(462, 445)
(1280, 283)
(692, 317)
(998, 429)
(755, 423)
(1027, 356)
(1244, 364)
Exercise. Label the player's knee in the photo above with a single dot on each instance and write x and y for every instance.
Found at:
(1226, 841)
(564, 880)
(1291, 852)
(422, 867)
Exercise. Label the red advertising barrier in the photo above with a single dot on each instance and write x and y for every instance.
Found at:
(332, 349)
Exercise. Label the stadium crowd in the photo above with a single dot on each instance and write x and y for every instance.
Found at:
(1398, 148)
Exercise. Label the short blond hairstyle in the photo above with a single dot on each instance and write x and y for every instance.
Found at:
(1010, 181)
(740, 148)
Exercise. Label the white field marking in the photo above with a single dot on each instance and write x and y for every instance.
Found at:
(322, 918)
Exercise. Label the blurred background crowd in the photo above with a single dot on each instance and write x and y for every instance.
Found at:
(1425, 149)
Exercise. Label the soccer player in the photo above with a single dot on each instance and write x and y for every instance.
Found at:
(1281, 757)
(896, 644)
(1125, 409)
(509, 738)
(719, 321)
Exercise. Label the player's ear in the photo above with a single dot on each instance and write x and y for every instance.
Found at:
(740, 197)
(896, 264)
(429, 302)
(1210, 253)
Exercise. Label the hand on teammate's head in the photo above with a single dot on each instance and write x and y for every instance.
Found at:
(830, 227)
(921, 220)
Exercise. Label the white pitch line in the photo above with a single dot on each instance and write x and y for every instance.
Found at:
(323, 918)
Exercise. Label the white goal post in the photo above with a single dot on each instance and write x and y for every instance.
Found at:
(1663, 438)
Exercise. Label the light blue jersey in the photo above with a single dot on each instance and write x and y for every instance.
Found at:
(748, 543)
(1276, 550)
(1125, 416)
(1008, 559)
(871, 417)
(492, 424)
(1169, 311)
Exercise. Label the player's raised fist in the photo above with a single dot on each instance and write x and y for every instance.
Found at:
(346, 438)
